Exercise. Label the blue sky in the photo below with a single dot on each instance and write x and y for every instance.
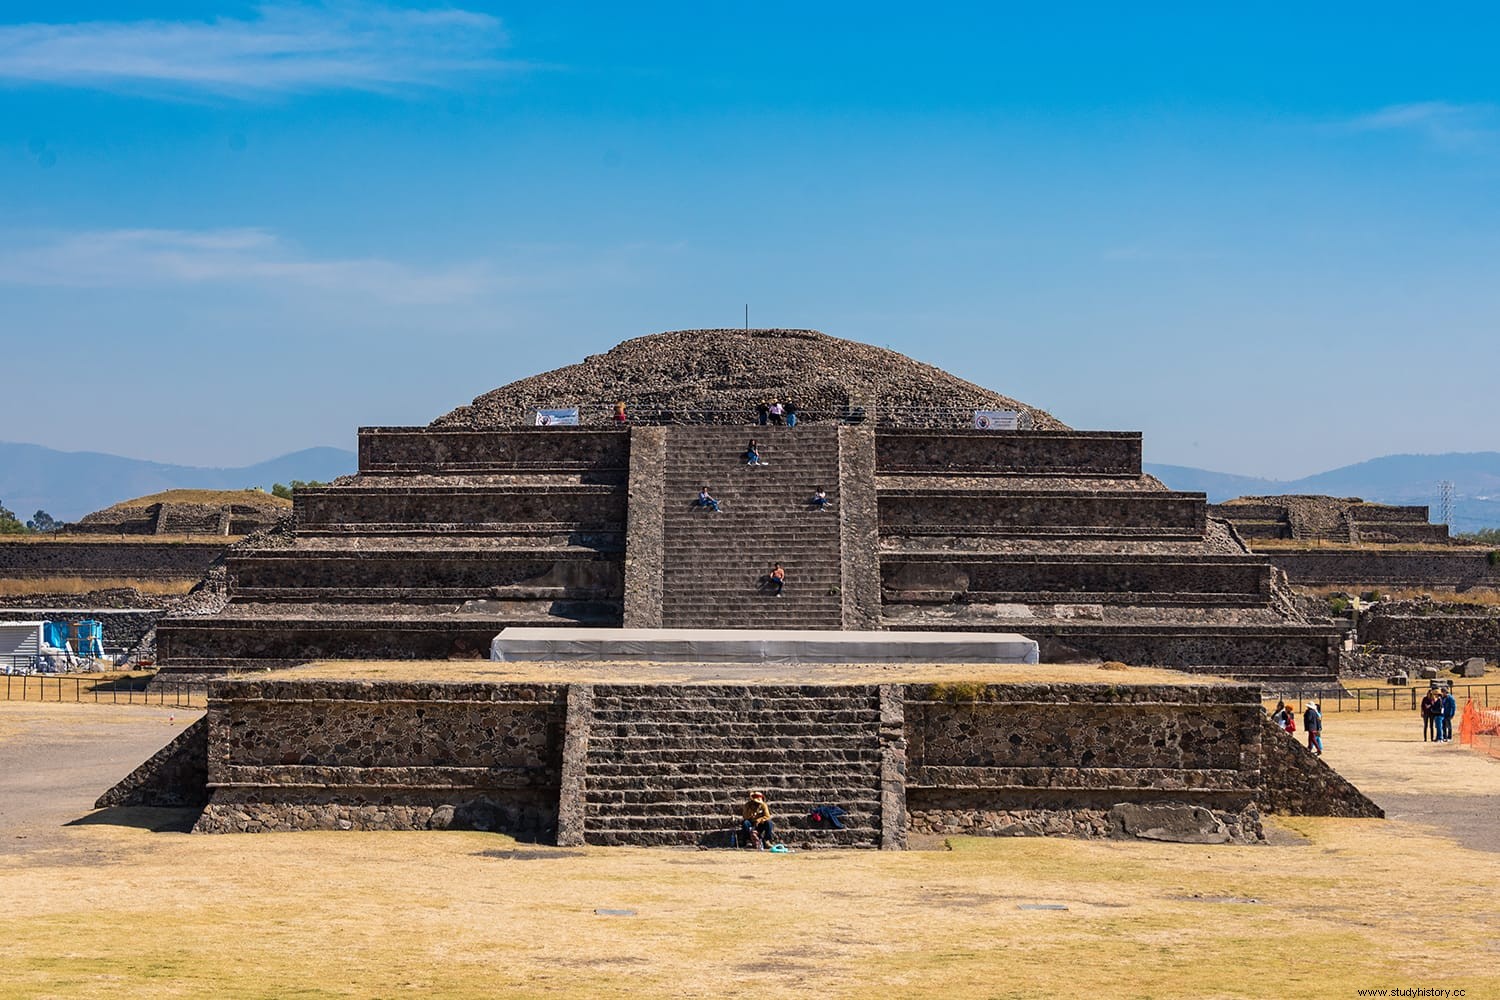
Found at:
(1265, 237)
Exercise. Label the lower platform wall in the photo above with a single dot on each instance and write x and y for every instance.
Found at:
(1187, 763)
(321, 755)
(1178, 822)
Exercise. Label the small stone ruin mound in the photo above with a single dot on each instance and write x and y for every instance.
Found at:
(186, 512)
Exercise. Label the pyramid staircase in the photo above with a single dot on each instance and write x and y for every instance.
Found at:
(714, 564)
(672, 766)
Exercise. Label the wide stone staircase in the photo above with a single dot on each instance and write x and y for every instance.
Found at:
(671, 766)
(715, 565)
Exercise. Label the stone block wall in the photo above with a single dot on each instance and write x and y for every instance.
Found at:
(644, 764)
(908, 511)
(1297, 783)
(175, 777)
(434, 450)
(192, 645)
(1025, 453)
(1435, 636)
(346, 754)
(1111, 579)
(1355, 568)
(522, 574)
(1040, 759)
(859, 526)
(134, 560)
(445, 509)
(645, 533)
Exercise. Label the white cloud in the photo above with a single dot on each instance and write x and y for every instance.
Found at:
(284, 48)
(154, 257)
(1439, 121)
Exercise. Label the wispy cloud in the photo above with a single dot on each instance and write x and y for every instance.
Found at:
(284, 48)
(1442, 122)
(134, 258)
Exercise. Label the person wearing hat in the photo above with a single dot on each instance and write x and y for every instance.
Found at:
(1312, 721)
(756, 826)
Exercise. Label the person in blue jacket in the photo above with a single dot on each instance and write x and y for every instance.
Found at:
(1450, 709)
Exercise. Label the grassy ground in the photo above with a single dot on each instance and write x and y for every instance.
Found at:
(96, 538)
(617, 672)
(214, 498)
(108, 908)
(1319, 545)
(28, 586)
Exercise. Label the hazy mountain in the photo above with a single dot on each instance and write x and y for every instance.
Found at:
(70, 484)
(1394, 479)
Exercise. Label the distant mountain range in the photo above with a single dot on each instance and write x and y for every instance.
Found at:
(70, 484)
(1393, 479)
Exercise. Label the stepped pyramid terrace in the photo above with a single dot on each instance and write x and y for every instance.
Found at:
(483, 520)
(896, 677)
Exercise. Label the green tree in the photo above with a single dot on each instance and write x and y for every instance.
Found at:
(285, 492)
(43, 521)
(9, 525)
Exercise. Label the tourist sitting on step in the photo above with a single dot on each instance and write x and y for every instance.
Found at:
(819, 499)
(756, 828)
(752, 454)
(705, 500)
(776, 579)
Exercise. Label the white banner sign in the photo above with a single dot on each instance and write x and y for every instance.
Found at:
(557, 418)
(1002, 420)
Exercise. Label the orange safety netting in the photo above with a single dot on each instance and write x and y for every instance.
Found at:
(1480, 729)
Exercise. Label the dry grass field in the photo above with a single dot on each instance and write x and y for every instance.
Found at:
(122, 904)
(31, 586)
(96, 538)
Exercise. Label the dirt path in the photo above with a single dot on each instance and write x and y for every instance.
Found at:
(1445, 786)
(106, 907)
(56, 759)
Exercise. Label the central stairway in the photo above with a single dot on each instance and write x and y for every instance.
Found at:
(673, 766)
(714, 565)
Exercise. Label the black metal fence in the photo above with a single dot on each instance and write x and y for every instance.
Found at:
(136, 690)
(1382, 699)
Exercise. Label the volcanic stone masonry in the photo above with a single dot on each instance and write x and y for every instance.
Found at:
(668, 764)
(451, 532)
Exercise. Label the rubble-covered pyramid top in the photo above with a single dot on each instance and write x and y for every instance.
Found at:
(722, 375)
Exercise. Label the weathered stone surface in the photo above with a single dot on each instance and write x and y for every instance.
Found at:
(175, 776)
(699, 375)
(1295, 782)
(1474, 666)
(1179, 824)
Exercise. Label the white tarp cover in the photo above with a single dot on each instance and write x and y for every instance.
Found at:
(684, 645)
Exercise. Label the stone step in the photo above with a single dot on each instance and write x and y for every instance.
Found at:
(798, 839)
(783, 798)
(712, 819)
(757, 759)
(697, 722)
(605, 746)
